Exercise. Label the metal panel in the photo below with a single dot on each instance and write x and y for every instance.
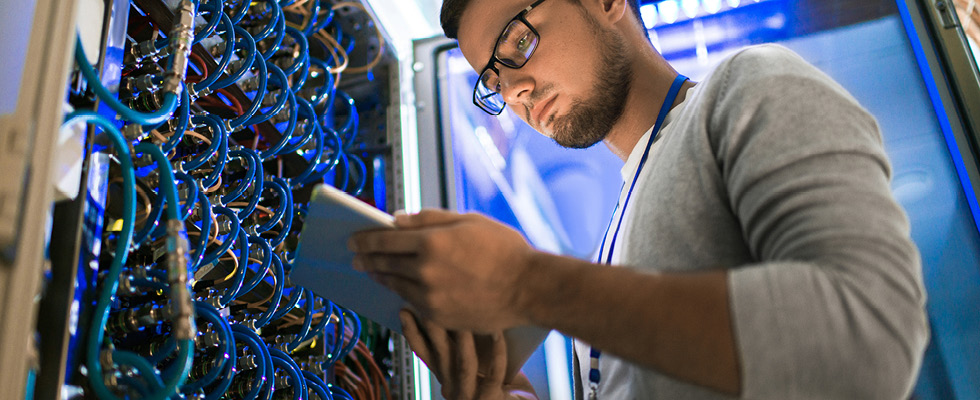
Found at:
(30, 133)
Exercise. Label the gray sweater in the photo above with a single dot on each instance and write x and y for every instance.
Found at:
(770, 169)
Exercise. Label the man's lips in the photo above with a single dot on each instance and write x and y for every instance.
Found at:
(542, 110)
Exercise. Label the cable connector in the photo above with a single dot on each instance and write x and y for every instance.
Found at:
(133, 132)
(182, 306)
(181, 40)
(144, 49)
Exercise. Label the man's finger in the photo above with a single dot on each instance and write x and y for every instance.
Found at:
(418, 341)
(467, 365)
(440, 345)
(426, 218)
(498, 366)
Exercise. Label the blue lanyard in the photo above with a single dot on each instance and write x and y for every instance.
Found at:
(675, 88)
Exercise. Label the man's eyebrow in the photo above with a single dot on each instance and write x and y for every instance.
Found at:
(495, 35)
(501, 27)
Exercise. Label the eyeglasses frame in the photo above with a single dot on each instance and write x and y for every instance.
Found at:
(491, 65)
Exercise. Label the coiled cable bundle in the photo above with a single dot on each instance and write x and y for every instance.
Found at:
(220, 128)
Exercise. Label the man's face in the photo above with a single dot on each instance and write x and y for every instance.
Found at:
(574, 86)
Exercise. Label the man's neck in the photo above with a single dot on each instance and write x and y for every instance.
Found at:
(652, 78)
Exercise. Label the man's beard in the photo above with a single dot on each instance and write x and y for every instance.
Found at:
(589, 121)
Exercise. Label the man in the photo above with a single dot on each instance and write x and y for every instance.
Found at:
(756, 251)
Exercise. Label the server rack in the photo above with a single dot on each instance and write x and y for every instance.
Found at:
(57, 251)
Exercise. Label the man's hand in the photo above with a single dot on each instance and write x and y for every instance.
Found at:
(461, 271)
(453, 358)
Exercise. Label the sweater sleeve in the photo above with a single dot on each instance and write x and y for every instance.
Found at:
(835, 306)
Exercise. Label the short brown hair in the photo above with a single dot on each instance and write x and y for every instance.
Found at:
(452, 12)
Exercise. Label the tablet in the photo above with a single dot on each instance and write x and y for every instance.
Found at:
(323, 265)
(323, 262)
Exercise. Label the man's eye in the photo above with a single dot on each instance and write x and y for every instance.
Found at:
(524, 43)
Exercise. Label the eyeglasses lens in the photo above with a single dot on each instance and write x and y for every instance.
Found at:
(516, 44)
(487, 93)
(514, 48)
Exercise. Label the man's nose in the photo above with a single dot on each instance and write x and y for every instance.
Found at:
(516, 86)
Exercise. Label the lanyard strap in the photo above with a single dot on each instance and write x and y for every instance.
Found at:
(675, 88)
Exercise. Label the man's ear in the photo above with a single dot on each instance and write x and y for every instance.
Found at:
(612, 11)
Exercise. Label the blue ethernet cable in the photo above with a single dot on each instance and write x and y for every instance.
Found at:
(123, 242)
(304, 51)
(362, 177)
(277, 37)
(229, 38)
(284, 200)
(307, 321)
(222, 158)
(314, 11)
(320, 326)
(156, 117)
(287, 220)
(286, 362)
(167, 179)
(229, 238)
(197, 253)
(152, 221)
(239, 12)
(280, 274)
(294, 375)
(111, 283)
(227, 356)
(319, 387)
(217, 137)
(258, 185)
(295, 295)
(351, 42)
(337, 346)
(273, 21)
(313, 162)
(248, 45)
(350, 128)
(263, 76)
(322, 23)
(183, 114)
(276, 149)
(217, 11)
(234, 290)
(325, 91)
(191, 195)
(325, 167)
(342, 185)
(355, 335)
(146, 370)
(246, 181)
(338, 393)
(249, 338)
(311, 127)
(301, 76)
(163, 352)
(185, 347)
(284, 95)
(316, 23)
(263, 268)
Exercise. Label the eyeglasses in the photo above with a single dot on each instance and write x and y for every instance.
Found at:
(514, 47)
